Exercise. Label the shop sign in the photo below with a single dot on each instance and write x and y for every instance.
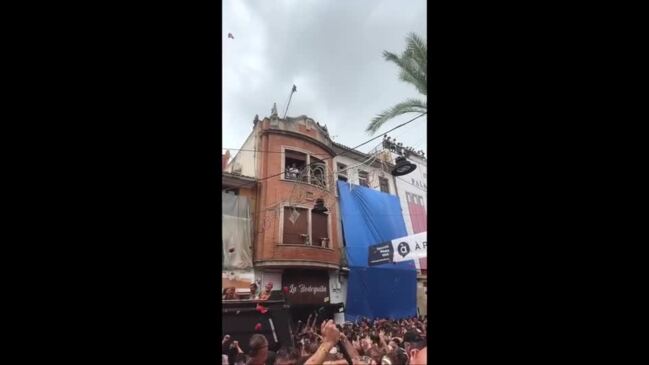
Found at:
(306, 286)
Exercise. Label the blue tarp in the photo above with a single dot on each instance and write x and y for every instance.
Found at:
(371, 217)
(385, 293)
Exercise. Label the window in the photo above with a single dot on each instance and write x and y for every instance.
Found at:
(342, 173)
(385, 187)
(320, 229)
(296, 226)
(318, 173)
(294, 164)
(341, 169)
(363, 179)
(303, 167)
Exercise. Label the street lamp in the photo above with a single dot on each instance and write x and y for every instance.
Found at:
(403, 167)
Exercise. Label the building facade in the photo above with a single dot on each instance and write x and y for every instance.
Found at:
(296, 245)
(286, 171)
(412, 191)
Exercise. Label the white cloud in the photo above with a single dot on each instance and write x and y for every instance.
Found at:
(331, 50)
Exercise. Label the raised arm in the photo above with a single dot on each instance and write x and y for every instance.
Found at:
(308, 324)
(350, 349)
(330, 335)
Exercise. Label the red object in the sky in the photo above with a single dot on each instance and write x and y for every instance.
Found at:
(261, 309)
(230, 35)
(257, 326)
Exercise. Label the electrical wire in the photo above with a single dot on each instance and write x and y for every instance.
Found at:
(241, 149)
(329, 158)
(316, 154)
(364, 163)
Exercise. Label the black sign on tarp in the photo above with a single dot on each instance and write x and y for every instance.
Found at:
(380, 254)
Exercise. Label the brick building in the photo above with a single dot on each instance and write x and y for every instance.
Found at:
(296, 243)
(290, 167)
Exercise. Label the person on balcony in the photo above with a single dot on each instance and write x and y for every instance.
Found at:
(292, 172)
(229, 294)
(265, 295)
(253, 291)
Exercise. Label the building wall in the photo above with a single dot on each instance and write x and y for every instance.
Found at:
(338, 290)
(245, 157)
(373, 172)
(419, 188)
(422, 297)
(276, 192)
(250, 192)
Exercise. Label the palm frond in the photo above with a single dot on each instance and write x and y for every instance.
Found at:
(408, 106)
(418, 47)
(413, 69)
(410, 71)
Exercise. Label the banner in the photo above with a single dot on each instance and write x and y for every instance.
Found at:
(410, 247)
(380, 254)
(401, 249)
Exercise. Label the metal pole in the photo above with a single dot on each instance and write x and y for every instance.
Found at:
(289, 101)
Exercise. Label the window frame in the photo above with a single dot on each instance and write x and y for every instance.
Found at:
(308, 223)
(341, 166)
(308, 154)
(280, 231)
(387, 184)
(367, 178)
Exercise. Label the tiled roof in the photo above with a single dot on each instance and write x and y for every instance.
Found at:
(237, 176)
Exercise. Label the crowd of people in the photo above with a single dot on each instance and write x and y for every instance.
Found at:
(364, 342)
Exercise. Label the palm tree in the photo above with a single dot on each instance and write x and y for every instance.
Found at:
(413, 64)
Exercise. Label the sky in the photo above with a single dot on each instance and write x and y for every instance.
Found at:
(332, 51)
